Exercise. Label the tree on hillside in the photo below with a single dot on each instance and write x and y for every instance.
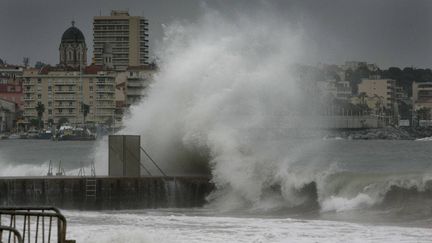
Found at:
(423, 113)
(39, 65)
(355, 76)
(405, 77)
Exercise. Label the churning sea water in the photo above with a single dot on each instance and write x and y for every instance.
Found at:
(197, 226)
(227, 97)
(372, 191)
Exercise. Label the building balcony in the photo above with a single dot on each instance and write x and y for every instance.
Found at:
(110, 91)
(64, 91)
(110, 83)
(65, 97)
(105, 106)
(105, 97)
(108, 114)
(134, 93)
(27, 83)
(65, 106)
(25, 98)
(65, 114)
(58, 82)
(28, 91)
(30, 113)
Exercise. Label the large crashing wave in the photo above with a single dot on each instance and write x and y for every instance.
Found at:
(227, 101)
(226, 98)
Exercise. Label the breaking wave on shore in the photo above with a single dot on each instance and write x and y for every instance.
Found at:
(227, 101)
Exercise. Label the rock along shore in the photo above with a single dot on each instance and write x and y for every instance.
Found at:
(386, 133)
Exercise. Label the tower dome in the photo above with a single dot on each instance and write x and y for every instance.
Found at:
(73, 34)
(73, 49)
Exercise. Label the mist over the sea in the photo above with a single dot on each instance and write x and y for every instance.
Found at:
(226, 101)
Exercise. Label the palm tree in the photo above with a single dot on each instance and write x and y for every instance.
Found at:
(85, 110)
(61, 122)
(40, 108)
(423, 114)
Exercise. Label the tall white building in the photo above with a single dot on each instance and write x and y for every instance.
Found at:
(127, 36)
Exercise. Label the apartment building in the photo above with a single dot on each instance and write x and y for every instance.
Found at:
(7, 115)
(127, 35)
(337, 89)
(138, 80)
(384, 88)
(422, 94)
(10, 73)
(11, 84)
(62, 92)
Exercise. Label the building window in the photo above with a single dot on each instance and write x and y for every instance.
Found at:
(39, 80)
(70, 110)
(39, 96)
(49, 112)
(49, 103)
(49, 88)
(60, 110)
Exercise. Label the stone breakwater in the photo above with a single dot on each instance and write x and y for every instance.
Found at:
(387, 133)
(105, 192)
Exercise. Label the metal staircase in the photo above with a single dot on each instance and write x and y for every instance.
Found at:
(91, 184)
(90, 188)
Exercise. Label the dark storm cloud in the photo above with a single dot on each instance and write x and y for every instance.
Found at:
(386, 32)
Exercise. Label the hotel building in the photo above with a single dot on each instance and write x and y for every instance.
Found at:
(64, 88)
(126, 35)
(62, 93)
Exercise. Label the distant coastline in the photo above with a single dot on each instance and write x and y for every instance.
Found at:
(386, 133)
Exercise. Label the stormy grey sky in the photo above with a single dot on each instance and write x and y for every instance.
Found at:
(386, 32)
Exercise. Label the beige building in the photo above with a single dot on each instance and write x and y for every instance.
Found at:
(384, 88)
(337, 89)
(7, 115)
(126, 36)
(62, 93)
(422, 95)
(137, 82)
(374, 103)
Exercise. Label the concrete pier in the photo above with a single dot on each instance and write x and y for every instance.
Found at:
(105, 193)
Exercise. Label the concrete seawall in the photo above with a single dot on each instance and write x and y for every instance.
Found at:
(105, 192)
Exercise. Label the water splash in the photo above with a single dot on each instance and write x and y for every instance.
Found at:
(226, 98)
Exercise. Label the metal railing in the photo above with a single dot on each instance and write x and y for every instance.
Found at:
(9, 235)
(34, 224)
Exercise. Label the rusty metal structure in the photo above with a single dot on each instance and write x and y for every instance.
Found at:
(32, 224)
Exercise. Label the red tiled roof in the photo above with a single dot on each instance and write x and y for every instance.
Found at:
(93, 69)
(121, 85)
(142, 67)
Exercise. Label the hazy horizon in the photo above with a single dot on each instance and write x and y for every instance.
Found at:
(388, 32)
